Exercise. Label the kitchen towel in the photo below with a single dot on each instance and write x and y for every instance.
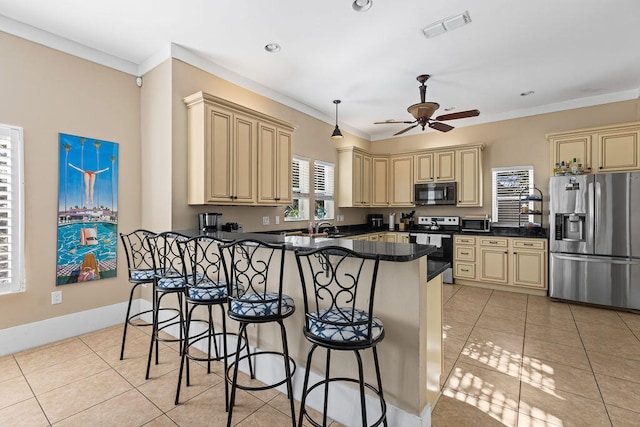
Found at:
(435, 240)
(422, 239)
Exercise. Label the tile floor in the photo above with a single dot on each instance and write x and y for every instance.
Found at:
(510, 360)
(518, 360)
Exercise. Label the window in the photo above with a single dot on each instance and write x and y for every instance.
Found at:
(299, 208)
(11, 211)
(323, 189)
(507, 183)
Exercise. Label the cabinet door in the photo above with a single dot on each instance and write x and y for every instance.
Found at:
(267, 147)
(244, 160)
(380, 181)
(445, 166)
(390, 237)
(494, 265)
(401, 178)
(567, 148)
(220, 155)
(469, 178)
(402, 238)
(530, 268)
(424, 167)
(618, 151)
(283, 168)
(366, 181)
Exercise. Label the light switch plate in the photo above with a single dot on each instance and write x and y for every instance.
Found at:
(277, 219)
(265, 220)
(56, 297)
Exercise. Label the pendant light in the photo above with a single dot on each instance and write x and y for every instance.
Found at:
(336, 132)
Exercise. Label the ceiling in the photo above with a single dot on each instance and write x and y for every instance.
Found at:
(571, 53)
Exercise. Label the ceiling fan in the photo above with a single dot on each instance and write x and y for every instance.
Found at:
(423, 111)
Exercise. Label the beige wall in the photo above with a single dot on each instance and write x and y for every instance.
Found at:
(47, 92)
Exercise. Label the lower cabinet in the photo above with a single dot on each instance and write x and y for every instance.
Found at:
(386, 236)
(509, 261)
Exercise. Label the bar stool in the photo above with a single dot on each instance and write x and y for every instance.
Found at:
(140, 270)
(338, 288)
(206, 286)
(168, 279)
(257, 268)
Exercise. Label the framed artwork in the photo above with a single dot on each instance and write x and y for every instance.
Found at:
(87, 209)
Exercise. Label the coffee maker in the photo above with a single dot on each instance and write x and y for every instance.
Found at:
(375, 221)
(209, 221)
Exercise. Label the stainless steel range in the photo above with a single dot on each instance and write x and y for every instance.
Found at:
(437, 231)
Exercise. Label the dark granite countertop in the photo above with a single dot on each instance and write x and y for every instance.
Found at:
(396, 252)
(534, 232)
(436, 267)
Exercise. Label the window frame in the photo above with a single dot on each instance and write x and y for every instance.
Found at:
(298, 194)
(326, 196)
(495, 199)
(16, 283)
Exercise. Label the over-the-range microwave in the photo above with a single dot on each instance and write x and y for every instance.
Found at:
(437, 193)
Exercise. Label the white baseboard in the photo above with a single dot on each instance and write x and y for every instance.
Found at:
(344, 400)
(35, 334)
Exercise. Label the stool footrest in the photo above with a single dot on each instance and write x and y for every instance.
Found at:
(229, 374)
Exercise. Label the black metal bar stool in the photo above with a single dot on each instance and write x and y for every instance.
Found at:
(168, 279)
(339, 287)
(257, 268)
(140, 270)
(206, 287)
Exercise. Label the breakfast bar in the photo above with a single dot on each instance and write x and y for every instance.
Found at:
(408, 300)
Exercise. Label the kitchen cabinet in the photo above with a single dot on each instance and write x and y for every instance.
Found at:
(469, 177)
(435, 166)
(464, 257)
(613, 148)
(354, 178)
(401, 180)
(222, 153)
(380, 166)
(274, 165)
(509, 263)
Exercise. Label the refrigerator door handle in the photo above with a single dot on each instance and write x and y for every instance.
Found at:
(599, 260)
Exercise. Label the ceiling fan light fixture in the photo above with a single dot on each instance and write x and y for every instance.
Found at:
(447, 24)
(528, 93)
(362, 5)
(336, 132)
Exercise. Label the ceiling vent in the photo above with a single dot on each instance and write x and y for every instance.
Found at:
(448, 24)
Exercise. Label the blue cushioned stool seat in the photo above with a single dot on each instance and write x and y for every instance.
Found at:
(332, 324)
(261, 305)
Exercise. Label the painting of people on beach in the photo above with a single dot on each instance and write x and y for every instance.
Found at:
(87, 209)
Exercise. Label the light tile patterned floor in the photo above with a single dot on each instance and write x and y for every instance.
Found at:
(518, 360)
(510, 360)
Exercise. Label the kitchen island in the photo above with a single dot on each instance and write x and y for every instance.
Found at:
(409, 302)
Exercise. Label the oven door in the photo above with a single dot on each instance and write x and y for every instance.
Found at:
(444, 251)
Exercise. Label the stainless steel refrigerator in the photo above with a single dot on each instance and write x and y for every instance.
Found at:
(594, 226)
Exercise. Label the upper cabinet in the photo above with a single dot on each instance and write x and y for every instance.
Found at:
(354, 178)
(614, 148)
(388, 180)
(227, 144)
(435, 166)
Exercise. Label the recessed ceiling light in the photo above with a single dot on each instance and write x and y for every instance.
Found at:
(362, 5)
(272, 47)
(527, 93)
(448, 24)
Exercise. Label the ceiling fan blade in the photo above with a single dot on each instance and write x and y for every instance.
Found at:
(459, 115)
(405, 129)
(392, 122)
(442, 127)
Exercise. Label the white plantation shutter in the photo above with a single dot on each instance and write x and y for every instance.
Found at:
(323, 180)
(11, 211)
(507, 185)
(300, 177)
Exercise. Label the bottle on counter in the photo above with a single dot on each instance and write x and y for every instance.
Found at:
(310, 228)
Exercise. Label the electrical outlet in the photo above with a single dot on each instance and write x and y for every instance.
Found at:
(265, 220)
(56, 297)
(277, 219)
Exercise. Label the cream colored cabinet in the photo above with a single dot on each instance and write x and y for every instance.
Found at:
(402, 237)
(380, 166)
(354, 178)
(494, 260)
(435, 166)
(503, 261)
(614, 148)
(274, 165)
(222, 153)
(469, 177)
(530, 263)
(390, 237)
(464, 257)
(401, 180)
(618, 150)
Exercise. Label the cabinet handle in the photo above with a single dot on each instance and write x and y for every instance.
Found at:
(506, 252)
(464, 269)
(464, 253)
(528, 244)
(493, 242)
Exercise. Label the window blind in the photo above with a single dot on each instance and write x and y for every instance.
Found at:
(11, 211)
(323, 180)
(300, 176)
(507, 185)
